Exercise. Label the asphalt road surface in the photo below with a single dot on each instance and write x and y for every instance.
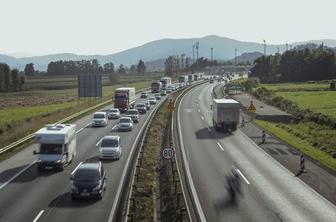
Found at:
(270, 192)
(34, 196)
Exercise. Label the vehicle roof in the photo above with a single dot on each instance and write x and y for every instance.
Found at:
(99, 113)
(126, 117)
(132, 110)
(90, 166)
(125, 88)
(111, 137)
(151, 98)
(113, 109)
(225, 101)
(56, 129)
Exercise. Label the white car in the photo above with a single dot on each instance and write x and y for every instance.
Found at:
(110, 147)
(99, 119)
(125, 124)
(113, 113)
(134, 114)
(152, 100)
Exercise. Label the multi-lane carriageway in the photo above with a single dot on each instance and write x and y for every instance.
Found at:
(271, 193)
(27, 195)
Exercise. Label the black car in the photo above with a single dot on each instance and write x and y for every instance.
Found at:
(89, 180)
(163, 93)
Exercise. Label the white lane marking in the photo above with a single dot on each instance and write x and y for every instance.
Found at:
(202, 117)
(76, 168)
(220, 146)
(114, 127)
(89, 124)
(187, 168)
(209, 129)
(79, 130)
(198, 110)
(16, 175)
(243, 176)
(38, 216)
(99, 141)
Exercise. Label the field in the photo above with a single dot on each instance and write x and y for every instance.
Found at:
(288, 87)
(311, 137)
(24, 112)
(318, 101)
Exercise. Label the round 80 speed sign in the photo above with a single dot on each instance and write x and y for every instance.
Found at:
(168, 153)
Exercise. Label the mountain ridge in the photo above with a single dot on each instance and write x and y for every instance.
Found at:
(224, 48)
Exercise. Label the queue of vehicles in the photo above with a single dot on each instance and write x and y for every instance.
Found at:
(57, 143)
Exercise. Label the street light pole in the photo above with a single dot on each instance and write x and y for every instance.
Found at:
(211, 59)
(264, 47)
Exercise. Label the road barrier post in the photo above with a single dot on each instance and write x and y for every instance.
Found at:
(243, 121)
(263, 137)
(302, 164)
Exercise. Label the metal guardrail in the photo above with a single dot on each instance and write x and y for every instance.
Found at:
(73, 116)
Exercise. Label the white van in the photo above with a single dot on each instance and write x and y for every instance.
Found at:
(110, 147)
(56, 146)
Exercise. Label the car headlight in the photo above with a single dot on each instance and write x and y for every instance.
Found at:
(97, 188)
(58, 161)
(74, 188)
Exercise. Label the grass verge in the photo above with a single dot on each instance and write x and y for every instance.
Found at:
(302, 145)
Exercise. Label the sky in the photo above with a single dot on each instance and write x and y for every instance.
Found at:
(39, 27)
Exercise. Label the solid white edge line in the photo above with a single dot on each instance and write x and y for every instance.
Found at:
(76, 168)
(220, 146)
(121, 183)
(191, 183)
(243, 176)
(38, 216)
(16, 175)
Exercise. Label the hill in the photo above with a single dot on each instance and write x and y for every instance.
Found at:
(160, 49)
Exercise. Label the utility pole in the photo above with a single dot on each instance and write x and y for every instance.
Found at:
(264, 47)
(194, 53)
(197, 47)
(286, 46)
(182, 61)
(211, 59)
(235, 66)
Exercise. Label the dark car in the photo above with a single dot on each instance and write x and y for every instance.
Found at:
(163, 93)
(157, 96)
(89, 180)
(144, 95)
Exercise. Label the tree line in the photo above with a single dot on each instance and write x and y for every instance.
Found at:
(70, 67)
(180, 64)
(296, 65)
(10, 79)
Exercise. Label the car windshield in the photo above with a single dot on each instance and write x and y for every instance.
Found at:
(109, 143)
(152, 98)
(132, 112)
(87, 175)
(113, 110)
(141, 105)
(99, 116)
(51, 148)
(125, 120)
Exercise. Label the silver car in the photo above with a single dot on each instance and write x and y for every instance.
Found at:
(125, 124)
(134, 114)
(110, 147)
(113, 113)
(99, 119)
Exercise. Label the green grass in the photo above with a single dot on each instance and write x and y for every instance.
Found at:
(284, 87)
(320, 101)
(17, 114)
(303, 145)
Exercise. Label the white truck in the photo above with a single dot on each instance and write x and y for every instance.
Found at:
(166, 81)
(56, 146)
(225, 114)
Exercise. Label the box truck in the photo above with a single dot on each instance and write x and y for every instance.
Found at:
(56, 146)
(124, 98)
(166, 81)
(225, 114)
(156, 86)
(183, 79)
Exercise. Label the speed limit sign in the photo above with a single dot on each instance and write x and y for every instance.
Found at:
(167, 153)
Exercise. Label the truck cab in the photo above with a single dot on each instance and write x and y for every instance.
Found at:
(56, 146)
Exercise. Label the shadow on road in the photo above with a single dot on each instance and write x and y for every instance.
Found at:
(225, 203)
(65, 201)
(204, 133)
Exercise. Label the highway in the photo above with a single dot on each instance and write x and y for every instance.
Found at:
(26, 195)
(270, 192)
